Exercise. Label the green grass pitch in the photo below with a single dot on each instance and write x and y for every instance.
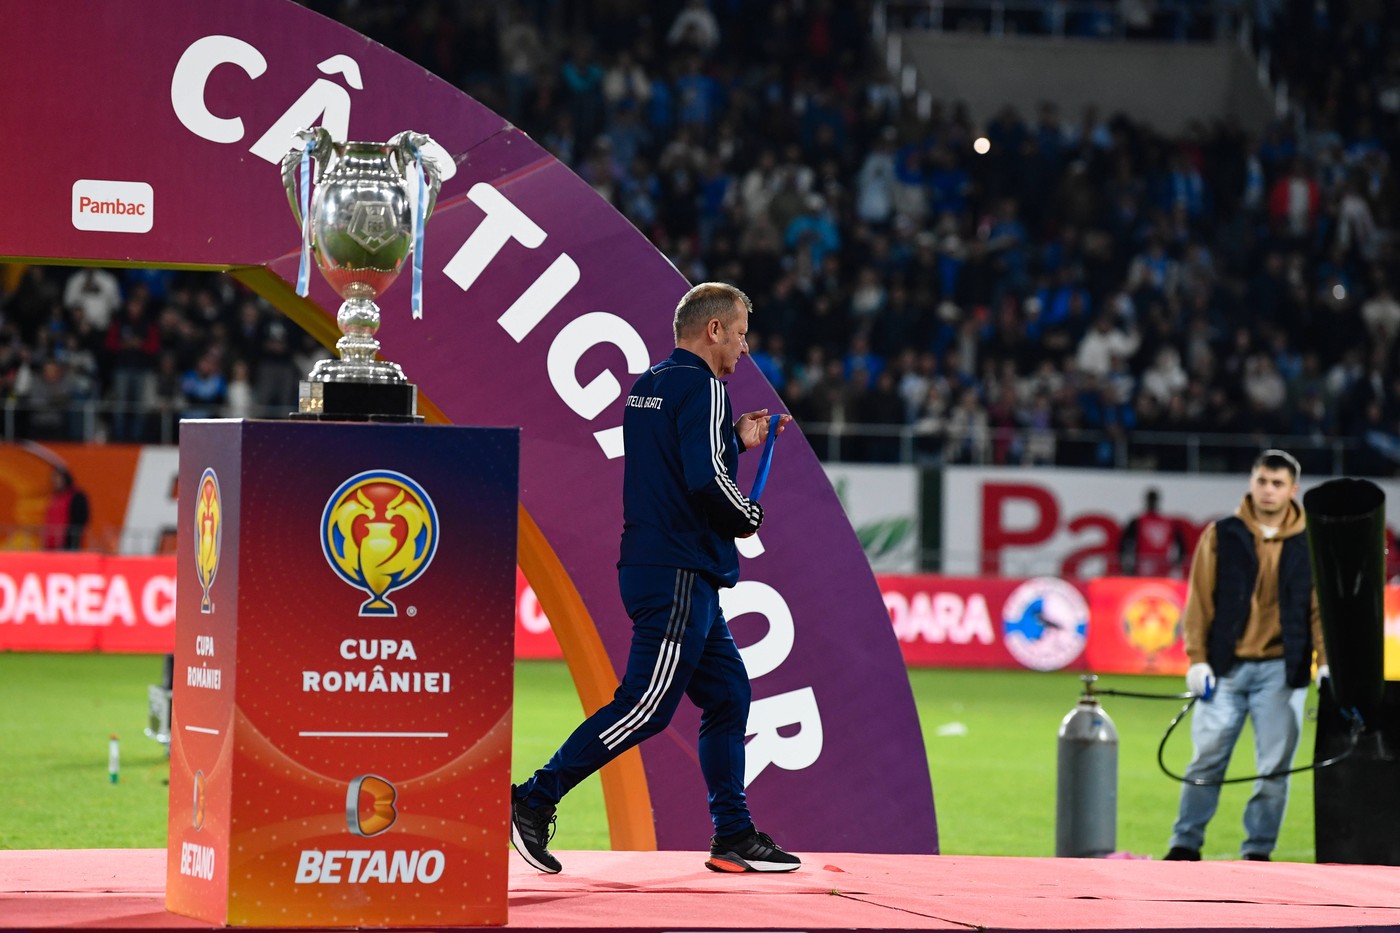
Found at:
(990, 738)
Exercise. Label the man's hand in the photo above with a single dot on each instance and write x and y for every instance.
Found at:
(1200, 681)
(752, 427)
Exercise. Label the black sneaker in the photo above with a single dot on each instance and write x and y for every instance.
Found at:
(1256, 856)
(530, 831)
(750, 851)
(1182, 854)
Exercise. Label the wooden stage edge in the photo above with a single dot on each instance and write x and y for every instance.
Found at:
(124, 889)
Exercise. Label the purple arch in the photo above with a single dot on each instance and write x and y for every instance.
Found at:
(170, 104)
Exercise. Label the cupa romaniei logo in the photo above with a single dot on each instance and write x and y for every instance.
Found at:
(208, 533)
(379, 532)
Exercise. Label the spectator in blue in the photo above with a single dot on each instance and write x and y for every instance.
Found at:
(948, 183)
(861, 358)
(1057, 295)
(813, 230)
(767, 352)
(821, 112)
(1184, 187)
(1007, 239)
(204, 388)
(582, 78)
(699, 98)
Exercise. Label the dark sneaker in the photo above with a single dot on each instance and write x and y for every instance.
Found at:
(750, 851)
(1256, 856)
(1182, 854)
(530, 831)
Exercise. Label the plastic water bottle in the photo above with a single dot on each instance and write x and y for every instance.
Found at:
(114, 759)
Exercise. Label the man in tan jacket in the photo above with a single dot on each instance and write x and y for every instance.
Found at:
(1251, 629)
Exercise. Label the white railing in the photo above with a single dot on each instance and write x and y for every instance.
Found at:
(1179, 20)
(1167, 451)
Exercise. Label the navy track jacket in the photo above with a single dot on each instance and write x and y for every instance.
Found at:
(680, 505)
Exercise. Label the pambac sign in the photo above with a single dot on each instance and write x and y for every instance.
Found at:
(341, 730)
(541, 305)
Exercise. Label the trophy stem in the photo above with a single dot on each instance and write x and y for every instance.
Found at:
(358, 320)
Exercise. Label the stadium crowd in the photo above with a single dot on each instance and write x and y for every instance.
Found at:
(1022, 288)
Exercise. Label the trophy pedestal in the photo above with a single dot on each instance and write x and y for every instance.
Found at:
(395, 402)
(343, 655)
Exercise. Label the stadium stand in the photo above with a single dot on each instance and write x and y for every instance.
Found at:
(1040, 287)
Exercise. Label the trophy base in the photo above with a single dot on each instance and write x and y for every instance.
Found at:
(358, 401)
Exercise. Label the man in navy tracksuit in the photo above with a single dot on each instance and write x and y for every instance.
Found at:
(681, 513)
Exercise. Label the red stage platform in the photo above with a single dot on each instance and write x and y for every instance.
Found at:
(123, 889)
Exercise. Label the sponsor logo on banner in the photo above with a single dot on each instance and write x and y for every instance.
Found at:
(197, 861)
(369, 805)
(197, 803)
(208, 533)
(1046, 623)
(113, 206)
(370, 866)
(379, 532)
(1151, 618)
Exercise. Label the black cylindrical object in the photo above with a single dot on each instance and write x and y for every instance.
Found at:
(1346, 540)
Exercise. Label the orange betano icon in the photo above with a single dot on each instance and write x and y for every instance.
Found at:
(369, 805)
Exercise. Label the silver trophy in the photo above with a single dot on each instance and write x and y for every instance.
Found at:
(360, 228)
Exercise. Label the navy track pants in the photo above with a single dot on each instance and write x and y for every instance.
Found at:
(680, 646)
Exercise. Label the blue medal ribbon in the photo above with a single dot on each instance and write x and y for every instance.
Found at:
(766, 461)
(304, 273)
(418, 224)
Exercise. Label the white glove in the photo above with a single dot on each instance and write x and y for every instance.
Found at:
(1324, 672)
(1200, 681)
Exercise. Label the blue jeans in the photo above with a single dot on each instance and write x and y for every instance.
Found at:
(1256, 689)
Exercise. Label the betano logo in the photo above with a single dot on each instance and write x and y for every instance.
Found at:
(113, 206)
(369, 805)
(379, 532)
(197, 804)
(369, 811)
(366, 866)
(208, 533)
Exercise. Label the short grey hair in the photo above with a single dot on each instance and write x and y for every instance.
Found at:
(705, 301)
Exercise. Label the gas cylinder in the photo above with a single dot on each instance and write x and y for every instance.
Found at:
(1086, 787)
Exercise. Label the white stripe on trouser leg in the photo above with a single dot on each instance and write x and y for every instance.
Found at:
(662, 672)
(665, 665)
(661, 675)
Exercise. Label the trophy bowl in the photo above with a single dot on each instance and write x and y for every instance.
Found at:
(360, 230)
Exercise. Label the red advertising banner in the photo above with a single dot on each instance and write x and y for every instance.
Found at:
(90, 602)
(534, 639)
(1136, 626)
(64, 601)
(1041, 623)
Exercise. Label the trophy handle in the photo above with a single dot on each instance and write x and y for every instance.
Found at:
(321, 151)
(408, 146)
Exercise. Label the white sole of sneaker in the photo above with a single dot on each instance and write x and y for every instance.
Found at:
(525, 853)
